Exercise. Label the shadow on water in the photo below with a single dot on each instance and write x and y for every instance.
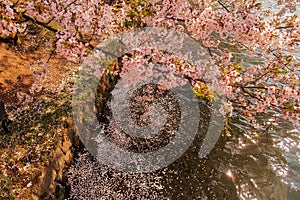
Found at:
(246, 165)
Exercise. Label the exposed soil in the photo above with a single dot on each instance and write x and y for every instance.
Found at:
(16, 73)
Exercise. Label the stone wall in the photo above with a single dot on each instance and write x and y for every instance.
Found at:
(50, 183)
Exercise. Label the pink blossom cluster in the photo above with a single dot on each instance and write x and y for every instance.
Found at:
(70, 48)
(168, 68)
(7, 26)
(242, 25)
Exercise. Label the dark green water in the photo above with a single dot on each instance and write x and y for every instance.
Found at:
(249, 164)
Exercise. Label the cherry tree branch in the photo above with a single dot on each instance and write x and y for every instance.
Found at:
(50, 28)
(45, 24)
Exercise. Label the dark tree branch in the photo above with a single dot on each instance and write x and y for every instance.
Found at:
(255, 87)
(47, 26)
(223, 6)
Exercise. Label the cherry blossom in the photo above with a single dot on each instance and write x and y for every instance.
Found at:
(223, 27)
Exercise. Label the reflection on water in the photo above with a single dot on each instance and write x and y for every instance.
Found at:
(263, 169)
(250, 164)
(287, 139)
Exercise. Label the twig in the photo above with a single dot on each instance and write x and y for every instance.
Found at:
(255, 87)
(52, 53)
(15, 4)
(209, 51)
(283, 27)
(223, 6)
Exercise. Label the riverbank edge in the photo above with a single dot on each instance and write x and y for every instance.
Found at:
(50, 184)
